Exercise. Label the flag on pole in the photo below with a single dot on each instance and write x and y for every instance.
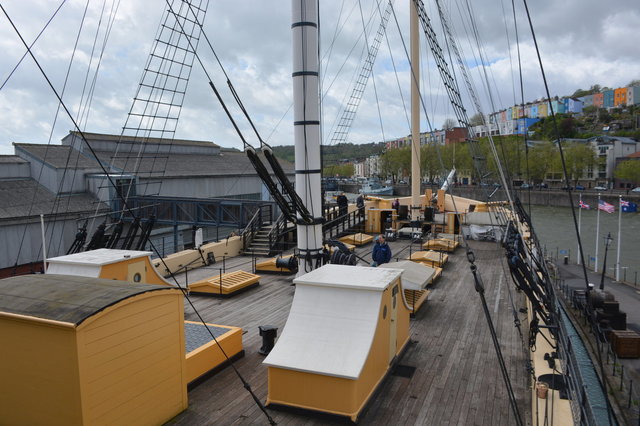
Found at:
(624, 203)
(606, 207)
(584, 205)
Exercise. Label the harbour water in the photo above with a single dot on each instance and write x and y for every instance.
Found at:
(555, 229)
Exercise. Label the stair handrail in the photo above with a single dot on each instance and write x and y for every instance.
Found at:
(278, 228)
(252, 228)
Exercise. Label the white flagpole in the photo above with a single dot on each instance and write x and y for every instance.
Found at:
(579, 219)
(619, 235)
(595, 267)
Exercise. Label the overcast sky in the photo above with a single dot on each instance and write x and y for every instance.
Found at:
(582, 42)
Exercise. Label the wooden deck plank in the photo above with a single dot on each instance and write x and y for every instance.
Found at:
(456, 380)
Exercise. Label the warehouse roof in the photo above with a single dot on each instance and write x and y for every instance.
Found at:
(22, 198)
(64, 298)
(150, 140)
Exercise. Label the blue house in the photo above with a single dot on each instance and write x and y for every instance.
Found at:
(587, 101)
(522, 125)
(573, 105)
(607, 101)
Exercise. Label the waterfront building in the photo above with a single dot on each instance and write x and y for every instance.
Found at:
(557, 105)
(543, 109)
(609, 149)
(633, 95)
(620, 97)
(598, 100)
(587, 100)
(67, 184)
(534, 111)
(608, 98)
(573, 105)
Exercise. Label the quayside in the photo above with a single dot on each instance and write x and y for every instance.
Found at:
(448, 374)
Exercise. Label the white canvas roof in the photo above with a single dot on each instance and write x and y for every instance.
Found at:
(415, 276)
(332, 322)
(100, 257)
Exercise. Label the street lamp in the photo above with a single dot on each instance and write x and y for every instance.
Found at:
(607, 241)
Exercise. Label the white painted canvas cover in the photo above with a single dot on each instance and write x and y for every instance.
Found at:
(415, 276)
(332, 322)
(88, 263)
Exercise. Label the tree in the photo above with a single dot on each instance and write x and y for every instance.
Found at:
(634, 83)
(543, 158)
(476, 119)
(449, 123)
(396, 161)
(578, 158)
(595, 88)
(628, 170)
(343, 170)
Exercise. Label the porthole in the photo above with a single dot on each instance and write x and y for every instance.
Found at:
(137, 277)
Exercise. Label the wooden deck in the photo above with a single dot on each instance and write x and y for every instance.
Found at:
(456, 380)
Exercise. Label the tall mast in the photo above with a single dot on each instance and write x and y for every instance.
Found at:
(306, 122)
(415, 112)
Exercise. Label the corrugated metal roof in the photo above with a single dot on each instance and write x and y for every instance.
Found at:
(59, 156)
(123, 138)
(149, 164)
(66, 298)
(23, 198)
(184, 165)
(11, 159)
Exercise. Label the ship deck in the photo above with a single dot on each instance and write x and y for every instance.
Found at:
(453, 369)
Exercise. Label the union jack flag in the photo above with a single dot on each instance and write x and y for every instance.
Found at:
(584, 205)
(604, 206)
(624, 203)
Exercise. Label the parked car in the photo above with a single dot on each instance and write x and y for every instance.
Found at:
(525, 186)
(579, 188)
(402, 182)
(567, 188)
(600, 188)
(636, 189)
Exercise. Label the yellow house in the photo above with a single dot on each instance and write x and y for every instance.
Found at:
(79, 350)
(123, 265)
(346, 327)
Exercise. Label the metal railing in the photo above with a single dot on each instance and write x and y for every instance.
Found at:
(262, 216)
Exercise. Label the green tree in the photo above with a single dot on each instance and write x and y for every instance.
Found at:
(628, 170)
(476, 119)
(578, 157)
(342, 170)
(634, 83)
(396, 161)
(543, 158)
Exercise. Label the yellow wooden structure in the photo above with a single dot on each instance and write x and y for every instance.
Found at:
(350, 247)
(78, 350)
(415, 279)
(270, 265)
(203, 354)
(377, 219)
(123, 265)
(441, 244)
(225, 284)
(346, 328)
(195, 258)
(358, 239)
(430, 258)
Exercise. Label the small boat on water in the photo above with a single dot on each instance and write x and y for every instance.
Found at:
(373, 187)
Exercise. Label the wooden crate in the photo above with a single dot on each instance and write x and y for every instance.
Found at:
(625, 343)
